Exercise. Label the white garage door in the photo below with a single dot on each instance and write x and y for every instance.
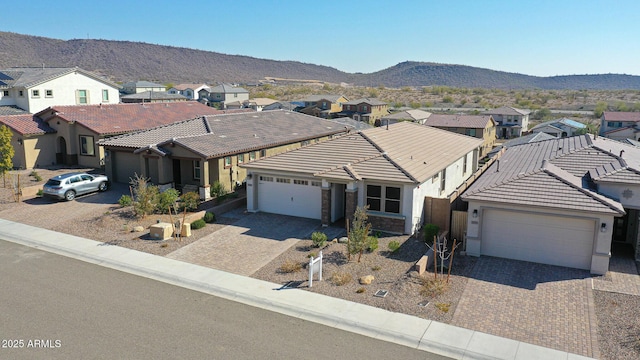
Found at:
(543, 239)
(290, 196)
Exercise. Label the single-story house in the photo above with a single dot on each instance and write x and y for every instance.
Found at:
(32, 140)
(560, 202)
(561, 127)
(198, 152)
(389, 169)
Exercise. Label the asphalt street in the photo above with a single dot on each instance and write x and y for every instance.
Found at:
(53, 307)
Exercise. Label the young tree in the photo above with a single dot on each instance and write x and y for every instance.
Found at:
(359, 233)
(6, 150)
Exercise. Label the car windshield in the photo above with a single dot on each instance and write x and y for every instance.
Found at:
(53, 182)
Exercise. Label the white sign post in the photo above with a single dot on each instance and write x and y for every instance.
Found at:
(315, 267)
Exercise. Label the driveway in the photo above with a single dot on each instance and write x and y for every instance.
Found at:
(250, 243)
(545, 305)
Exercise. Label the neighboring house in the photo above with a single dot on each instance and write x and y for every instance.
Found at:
(620, 125)
(34, 89)
(390, 170)
(199, 152)
(479, 126)
(283, 105)
(558, 202)
(80, 127)
(511, 122)
(257, 104)
(324, 106)
(219, 96)
(152, 97)
(32, 140)
(526, 139)
(367, 110)
(561, 128)
(413, 115)
(135, 87)
(190, 91)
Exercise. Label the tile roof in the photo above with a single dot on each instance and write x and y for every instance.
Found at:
(190, 86)
(355, 124)
(459, 121)
(316, 98)
(220, 135)
(548, 174)
(154, 95)
(121, 118)
(621, 116)
(531, 138)
(369, 101)
(227, 89)
(142, 84)
(12, 110)
(26, 124)
(413, 114)
(401, 154)
(261, 101)
(29, 77)
(507, 110)
(564, 121)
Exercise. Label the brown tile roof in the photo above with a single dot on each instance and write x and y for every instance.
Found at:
(123, 118)
(621, 116)
(507, 110)
(549, 174)
(413, 115)
(459, 121)
(406, 152)
(26, 124)
(368, 101)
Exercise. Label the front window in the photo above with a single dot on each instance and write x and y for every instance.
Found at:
(82, 96)
(443, 180)
(227, 161)
(263, 153)
(471, 132)
(240, 158)
(6, 93)
(21, 93)
(196, 170)
(35, 93)
(252, 156)
(383, 198)
(105, 95)
(48, 93)
(87, 146)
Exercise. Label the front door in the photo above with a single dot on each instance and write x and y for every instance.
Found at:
(177, 178)
(620, 228)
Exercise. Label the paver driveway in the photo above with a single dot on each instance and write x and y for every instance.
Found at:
(545, 305)
(250, 243)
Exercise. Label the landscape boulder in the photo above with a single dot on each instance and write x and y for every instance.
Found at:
(366, 280)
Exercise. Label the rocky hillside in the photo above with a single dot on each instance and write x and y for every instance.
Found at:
(127, 61)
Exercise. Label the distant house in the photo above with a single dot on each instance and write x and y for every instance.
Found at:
(511, 122)
(561, 127)
(223, 94)
(135, 87)
(413, 115)
(33, 140)
(190, 91)
(479, 126)
(34, 89)
(257, 104)
(619, 125)
(525, 139)
(283, 105)
(152, 97)
(365, 109)
(324, 106)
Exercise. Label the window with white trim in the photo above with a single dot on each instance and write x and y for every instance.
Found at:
(384, 198)
(35, 93)
(87, 146)
(240, 158)
(252, 156)
(5, 93)
(48, 93)
(105, 95)
(300, 182)
(283, 180)
(227, 161)
(196, 170)
(82, 97)
(266, 178)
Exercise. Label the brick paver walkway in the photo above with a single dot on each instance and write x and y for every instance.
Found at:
(545, 305)
(248, 244)
(622, 277)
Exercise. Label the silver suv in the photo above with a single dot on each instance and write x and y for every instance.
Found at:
(68, 186)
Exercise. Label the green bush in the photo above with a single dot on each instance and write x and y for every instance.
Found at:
(209, 217)
(190, 201)
(39, 193)
(218, 190)
(372, 243)
(319, 238)
(167, 199)
(198, 224)
(430, 230)
(125, 200)
(394, 246)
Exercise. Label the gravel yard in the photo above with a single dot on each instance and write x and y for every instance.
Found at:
(618, 325)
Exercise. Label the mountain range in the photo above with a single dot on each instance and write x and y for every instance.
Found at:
(124, 61)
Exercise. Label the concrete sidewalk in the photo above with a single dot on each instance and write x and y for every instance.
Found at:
(381, 324)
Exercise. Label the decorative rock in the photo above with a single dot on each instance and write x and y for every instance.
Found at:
(138, 228)
(343, 240)
(366, 280)
(335, 240)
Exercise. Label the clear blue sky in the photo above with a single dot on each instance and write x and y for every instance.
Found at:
(541, 37)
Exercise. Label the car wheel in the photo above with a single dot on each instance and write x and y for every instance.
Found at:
(103, 186)
(70, 195)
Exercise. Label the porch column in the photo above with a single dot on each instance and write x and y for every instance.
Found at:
(351, 201)
(326, 203)
(205, 193)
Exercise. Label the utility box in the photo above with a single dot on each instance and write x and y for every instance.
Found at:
(186, 230)
(161, 231)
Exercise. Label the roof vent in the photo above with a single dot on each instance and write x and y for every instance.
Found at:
(498, 165)
(621, 152)
(255, 135)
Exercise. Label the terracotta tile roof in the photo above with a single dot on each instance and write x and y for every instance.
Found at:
(549, 174)
(123, 118)
(459, 121)
(154, 95)
(26, 124)
(406, 152)
(621, 116)
(507, 110)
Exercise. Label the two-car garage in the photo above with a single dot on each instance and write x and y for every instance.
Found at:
(290, 196)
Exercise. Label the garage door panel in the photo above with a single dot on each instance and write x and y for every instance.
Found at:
(545, 239)
(290, 199)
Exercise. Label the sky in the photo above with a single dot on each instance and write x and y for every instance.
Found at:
(533, 37)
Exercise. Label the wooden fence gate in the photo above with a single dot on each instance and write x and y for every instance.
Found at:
(458, 225)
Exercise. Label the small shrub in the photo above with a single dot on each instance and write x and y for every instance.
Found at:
(444, 307)
(218, 190)
(167, 199)
(190, 201)
(209, 217)
(125, 200)
(39, 193)
(198, 224)
(36, 176)
(312, 255)
(319, 238)
(432, 287)
(361, 290)
(164, 245)
(430, 230)
(394, 246)
(33, 173)
(372, 243)
(376, 268)
(340, 278)
(290, 267)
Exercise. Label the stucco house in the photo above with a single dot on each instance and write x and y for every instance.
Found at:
(135, 87)
(413, 115)
(511, 122)
(32, 140)
(324, 106)
(219, 96)
(190, 91)
(390, 170)
(560, 202)
(198, 152)
(152, 97)
(561, 127)
(620, 125)
(34, 89)
(479, 126)
(365, 109)
(258, 104)
(78, 128)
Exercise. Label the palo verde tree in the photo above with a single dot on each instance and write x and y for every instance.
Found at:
(359, 233)
(6, 150)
